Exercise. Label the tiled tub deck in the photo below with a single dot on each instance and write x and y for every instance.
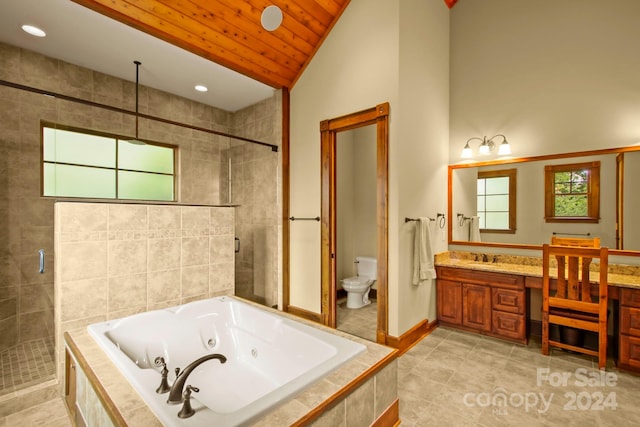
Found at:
(361, 392)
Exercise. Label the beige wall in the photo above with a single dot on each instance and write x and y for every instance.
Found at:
(356, 193)
(114, 260)
(355, 68)
(422, 144)
(631, 201)
(345, 244)
(364, 191)
(379, 51)
(553, 76)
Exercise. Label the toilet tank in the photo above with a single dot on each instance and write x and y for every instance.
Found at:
(367, 267)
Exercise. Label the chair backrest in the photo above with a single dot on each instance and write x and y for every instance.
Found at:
(574, 270)
(581, 242)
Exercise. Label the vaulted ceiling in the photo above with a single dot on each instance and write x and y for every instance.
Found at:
(229, 32)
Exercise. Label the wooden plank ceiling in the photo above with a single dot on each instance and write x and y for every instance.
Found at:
(229, 32)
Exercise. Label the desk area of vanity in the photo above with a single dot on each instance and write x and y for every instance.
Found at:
(500, 296)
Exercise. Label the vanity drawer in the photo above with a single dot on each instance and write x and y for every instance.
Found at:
(630, 321)
(629, 351)
(508, 300)
(630, 297)
(465, 275)
(508, 325)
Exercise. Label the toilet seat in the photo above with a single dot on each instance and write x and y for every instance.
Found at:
(356, 283)
(357, 288)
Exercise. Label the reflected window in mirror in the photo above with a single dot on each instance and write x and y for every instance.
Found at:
(572, 192)
(496, 203)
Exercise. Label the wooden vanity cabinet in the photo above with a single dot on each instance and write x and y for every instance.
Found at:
(449, 301)
(476, 306)
(629, 351)
(482, 301)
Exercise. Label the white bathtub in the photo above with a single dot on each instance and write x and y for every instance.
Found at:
(269, 357)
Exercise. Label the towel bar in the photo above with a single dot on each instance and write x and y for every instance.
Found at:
(572, 234)
(293, 218)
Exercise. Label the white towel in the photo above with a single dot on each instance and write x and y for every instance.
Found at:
(423, 268)
(474, 229)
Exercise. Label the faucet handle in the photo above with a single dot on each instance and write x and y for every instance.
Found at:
(177, 371)
(164, 385)
(188, 389)
(187, 411)
(159, 361)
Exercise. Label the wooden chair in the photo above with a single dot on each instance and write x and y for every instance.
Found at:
(571, 304)
(581, 242)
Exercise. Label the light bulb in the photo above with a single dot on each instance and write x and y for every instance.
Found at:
(504, 149)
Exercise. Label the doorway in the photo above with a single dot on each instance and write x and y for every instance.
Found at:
(356, 241)
(378, 116)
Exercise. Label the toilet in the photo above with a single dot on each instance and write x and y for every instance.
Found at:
(358, 287)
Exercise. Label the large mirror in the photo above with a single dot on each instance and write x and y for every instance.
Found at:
(619, 199)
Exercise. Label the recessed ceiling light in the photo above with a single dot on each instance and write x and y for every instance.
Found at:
(201, 88)
(34, 31)
(271, 18)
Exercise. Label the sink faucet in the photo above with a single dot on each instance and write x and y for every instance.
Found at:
(175, 394)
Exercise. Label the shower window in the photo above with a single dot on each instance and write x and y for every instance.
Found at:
(496, 201)
(80, 163)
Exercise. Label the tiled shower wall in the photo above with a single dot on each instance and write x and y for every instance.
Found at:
(113, 260)
(255, 174)
(26, 219)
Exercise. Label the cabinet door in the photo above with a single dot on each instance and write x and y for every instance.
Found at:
(630, 351)
(449, 300)
(630, 297)
(476, 306)
(630, 321)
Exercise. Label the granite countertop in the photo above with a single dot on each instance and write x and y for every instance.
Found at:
(627, 276)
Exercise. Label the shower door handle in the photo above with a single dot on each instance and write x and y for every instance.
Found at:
(41, 261)
(237, 245)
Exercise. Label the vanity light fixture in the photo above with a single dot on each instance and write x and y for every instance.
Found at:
(34, 31)
(487, 146)
(136, 141)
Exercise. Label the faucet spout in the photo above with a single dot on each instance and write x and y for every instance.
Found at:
(175, 393)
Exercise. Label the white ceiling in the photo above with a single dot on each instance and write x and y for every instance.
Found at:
(83, 37)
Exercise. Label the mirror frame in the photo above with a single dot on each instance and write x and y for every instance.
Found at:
(516, 160)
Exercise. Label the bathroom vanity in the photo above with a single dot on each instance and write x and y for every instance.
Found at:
(492, 298)
(480, 301)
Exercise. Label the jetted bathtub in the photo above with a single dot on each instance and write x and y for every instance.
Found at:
(269, 357)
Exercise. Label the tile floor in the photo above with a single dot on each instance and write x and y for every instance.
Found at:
(360, 322)
(453, 378)
(26, 364)
(48, 414)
